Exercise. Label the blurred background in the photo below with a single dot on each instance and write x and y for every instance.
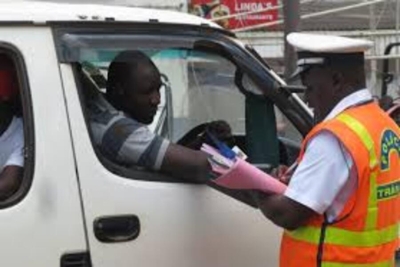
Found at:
(264, 23)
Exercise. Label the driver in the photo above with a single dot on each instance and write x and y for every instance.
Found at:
(119, 122)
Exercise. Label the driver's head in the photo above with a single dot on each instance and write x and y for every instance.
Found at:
(8, 88)
(133, 85)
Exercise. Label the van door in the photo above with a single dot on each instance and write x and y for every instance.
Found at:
(142, 218)
(41, 224)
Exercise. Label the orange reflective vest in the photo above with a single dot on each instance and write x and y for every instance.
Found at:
(365, 233)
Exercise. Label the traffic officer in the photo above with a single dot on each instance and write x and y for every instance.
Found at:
(341, 207)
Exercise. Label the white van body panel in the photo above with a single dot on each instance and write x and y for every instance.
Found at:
(182, 225)
(41, 12)
(48, 222)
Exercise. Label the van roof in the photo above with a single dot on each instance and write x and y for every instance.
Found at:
(42, 12)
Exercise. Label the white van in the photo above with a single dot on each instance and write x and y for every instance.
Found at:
(75, 208)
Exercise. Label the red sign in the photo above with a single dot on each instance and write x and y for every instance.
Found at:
(213, 9)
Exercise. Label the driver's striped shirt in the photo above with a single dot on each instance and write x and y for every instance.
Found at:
(122, 139)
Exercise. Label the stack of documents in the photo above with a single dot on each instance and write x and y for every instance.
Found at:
(230, 170)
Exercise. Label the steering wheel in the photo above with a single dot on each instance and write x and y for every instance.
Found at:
(192, 137)
(197, 136)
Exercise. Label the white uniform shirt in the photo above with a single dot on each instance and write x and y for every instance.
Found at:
(326, 176)
(12, 145)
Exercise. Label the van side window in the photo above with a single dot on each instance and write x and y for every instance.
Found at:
(12, 140)
(146, 110)
(149, 108)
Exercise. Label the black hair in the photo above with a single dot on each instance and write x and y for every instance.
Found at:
(121, 69)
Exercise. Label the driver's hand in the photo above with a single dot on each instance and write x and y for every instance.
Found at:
(221, 130)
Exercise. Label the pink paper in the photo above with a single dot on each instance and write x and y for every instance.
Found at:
(243, 175)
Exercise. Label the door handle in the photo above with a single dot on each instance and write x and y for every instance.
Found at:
(112, 229)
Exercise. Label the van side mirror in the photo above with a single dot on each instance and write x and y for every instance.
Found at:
(245, 84)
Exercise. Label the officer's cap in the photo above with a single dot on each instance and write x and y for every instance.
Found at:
(314, 50)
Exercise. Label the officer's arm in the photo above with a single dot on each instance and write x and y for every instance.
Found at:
(311, 184)
(184, 163)
(283, 211)
(10, 180)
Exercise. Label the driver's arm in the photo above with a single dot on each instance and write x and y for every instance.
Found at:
(132, 144)
(184, 163)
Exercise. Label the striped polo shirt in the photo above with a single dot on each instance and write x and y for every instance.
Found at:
(122, 139)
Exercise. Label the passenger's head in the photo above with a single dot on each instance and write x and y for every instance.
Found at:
(133, 85)
(330, 67)
(8, 88)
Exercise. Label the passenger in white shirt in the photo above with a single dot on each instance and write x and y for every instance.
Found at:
(11, 131)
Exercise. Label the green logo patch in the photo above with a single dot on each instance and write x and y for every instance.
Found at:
(390, 142)
(388, 190)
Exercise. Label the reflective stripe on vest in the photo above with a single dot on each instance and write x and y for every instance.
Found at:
(336, 238)
(368, 142)
(341, 264)
(370, 237)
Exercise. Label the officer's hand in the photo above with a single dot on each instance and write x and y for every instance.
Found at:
(281, 172)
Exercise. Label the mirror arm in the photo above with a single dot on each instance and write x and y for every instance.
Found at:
(293, 89)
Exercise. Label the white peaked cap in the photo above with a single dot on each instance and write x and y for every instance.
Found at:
(327, 43)
(315, 49)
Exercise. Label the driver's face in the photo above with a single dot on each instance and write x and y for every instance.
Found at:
(142, 96)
